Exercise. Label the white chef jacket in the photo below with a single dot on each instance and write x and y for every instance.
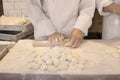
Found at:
(111, 22)
(50, 16)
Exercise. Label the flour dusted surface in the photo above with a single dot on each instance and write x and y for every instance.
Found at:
(93, 57)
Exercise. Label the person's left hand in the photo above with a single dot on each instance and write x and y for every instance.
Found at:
(75, 38)
(56, 37)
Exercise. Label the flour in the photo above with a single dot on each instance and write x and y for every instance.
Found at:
(93, 57)
(56, 59)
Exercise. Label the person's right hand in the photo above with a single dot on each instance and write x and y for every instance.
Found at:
(56, 37)
(76, 38)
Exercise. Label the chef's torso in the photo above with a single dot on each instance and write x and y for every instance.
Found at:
(62, 13)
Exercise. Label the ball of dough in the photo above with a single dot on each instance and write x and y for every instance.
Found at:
(63, 67)
(51, 68)
(43, 67)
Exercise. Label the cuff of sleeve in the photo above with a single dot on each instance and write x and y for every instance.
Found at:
(44, 28)
(83, 23)
(103, 4)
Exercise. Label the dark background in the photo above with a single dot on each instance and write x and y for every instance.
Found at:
(1, 8)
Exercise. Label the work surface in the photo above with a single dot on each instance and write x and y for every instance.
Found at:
(98, 57)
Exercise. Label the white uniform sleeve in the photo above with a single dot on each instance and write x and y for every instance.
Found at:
(84, 21)
(43, 26)
(101, 4)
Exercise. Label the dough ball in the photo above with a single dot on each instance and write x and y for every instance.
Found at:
(51, 68)
(34, 66)
(43, 67)
(56, 62)
(63, 67)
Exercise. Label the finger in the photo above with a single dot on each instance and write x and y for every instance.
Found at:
(57, 35)
(75, 43)
(53, 40)
(56, 39)
(50, 39)
(80, 41)
(68, 44)
(72, 41)
(78, 44)
(59, 39)
(62, 37)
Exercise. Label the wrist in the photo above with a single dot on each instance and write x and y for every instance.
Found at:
(80, 31)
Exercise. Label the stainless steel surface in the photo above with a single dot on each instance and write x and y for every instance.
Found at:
(15, 37)
(57, 77)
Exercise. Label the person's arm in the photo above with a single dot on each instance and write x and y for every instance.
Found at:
(84, 21)
(113, 8)
(101, 4)
(86, 13)
(43, 26)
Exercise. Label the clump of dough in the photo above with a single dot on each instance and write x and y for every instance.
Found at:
(57, 59)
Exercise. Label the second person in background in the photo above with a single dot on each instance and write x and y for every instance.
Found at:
(110, 9)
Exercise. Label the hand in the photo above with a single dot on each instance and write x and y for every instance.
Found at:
(117, 9)
(113, 8)
(56, 37)
(75, 38)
